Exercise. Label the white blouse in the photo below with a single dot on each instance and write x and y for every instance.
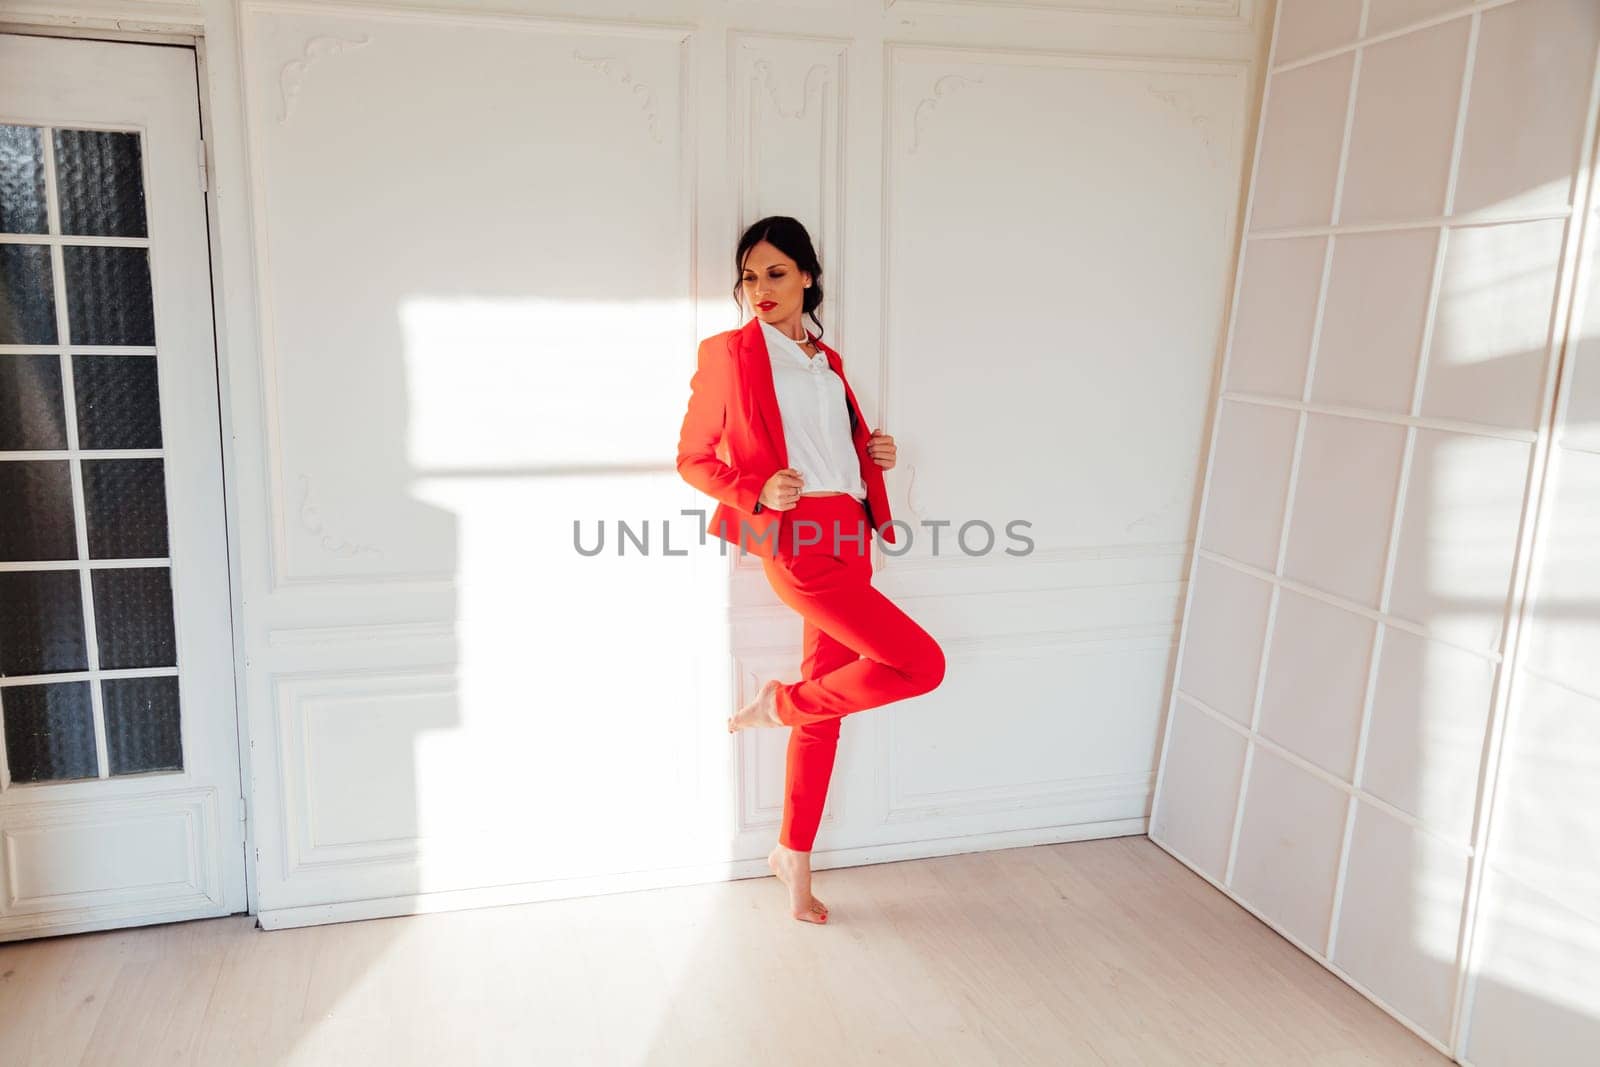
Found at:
(816, 419)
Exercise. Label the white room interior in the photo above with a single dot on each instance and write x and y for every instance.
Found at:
(1277, 322)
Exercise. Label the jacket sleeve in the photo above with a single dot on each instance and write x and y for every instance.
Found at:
(698, 462)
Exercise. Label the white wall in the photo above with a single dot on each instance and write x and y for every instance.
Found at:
(1381, 426)
(464, 259)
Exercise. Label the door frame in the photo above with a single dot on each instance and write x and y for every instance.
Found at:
(192, 36)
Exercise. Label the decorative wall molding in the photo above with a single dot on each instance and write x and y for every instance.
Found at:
(144, 21)
(293, 695)
(373, 633)
(1227, 12)
(611, 66)
(1067, 641)
(817, 73)
(764, 752)
(1182, 101)
(293, 75)
(754, 664)
(259, 64)
(896, 54)
(311, 522)
(1086, 640)
(1132, 788)
(913, 498)
(941, 87)
(999, 559)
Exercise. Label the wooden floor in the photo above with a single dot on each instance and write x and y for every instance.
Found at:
(1087, 953)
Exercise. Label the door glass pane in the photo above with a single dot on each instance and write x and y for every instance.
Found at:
(22, 205)
(101, 183)
(49, 732)
(41, 623)
(126, 504)
(133, 617)
(142, 725)
(32, 415)
(118, 405)
(27, 296)
(36, 511)
(108, 295)
(97, 191)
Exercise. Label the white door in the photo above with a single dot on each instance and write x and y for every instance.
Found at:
(119, 768)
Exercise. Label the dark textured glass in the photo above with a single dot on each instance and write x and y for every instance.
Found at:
(133, 617)
(49, 732)
(142, 731)
(32, 411)
(41, 623)
(118, 401)
(108, 295)
(100, 183)
(22, 205)
(125, 501)
(36, 511)
(27, 296)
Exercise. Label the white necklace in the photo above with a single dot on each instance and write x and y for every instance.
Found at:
(803, 339)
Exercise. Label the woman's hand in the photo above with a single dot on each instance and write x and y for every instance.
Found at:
(782, 489)
(880, 446)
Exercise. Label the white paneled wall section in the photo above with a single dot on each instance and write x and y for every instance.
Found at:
(432, 432)
(465, 252)
(1381, 426)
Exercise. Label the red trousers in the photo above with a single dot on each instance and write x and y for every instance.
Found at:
(860, 650)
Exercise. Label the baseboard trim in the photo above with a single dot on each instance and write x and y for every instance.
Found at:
(566, 888)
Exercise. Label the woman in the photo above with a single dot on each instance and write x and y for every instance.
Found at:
(774, 434)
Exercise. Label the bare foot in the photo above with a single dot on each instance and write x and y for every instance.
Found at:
(793, 869)
(761, 711)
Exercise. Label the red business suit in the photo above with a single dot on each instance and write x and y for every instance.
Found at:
(860, 650)
(732, 438)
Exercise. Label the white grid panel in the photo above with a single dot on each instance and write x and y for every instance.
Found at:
(1416, 481)
(1545, 761)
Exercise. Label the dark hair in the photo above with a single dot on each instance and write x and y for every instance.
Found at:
(787, 235)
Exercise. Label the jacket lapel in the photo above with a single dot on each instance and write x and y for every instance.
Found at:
(755, 365)
(857, 424)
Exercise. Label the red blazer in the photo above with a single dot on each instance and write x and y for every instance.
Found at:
(732, 439)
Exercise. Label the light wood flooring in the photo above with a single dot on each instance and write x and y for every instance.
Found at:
(1096, 952)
